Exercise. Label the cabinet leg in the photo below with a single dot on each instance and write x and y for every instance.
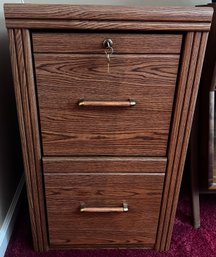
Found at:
(194, 183)
(195, 199)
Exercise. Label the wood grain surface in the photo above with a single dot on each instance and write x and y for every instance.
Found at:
(103, 12)
(108, 25)
(67, 129)
(70, 142)
(107, 17)
(103, 165)
(75, 42)
(21, 58)
(189, 82)
(138, 226)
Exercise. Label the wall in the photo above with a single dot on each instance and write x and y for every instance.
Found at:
(10, 151)
(144, 2)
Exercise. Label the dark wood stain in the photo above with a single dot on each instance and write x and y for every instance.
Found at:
(124, 43)
(62, 80)
(67, 192)
(144, 142)
(104, 165)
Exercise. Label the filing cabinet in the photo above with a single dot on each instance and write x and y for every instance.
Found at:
(105, 99)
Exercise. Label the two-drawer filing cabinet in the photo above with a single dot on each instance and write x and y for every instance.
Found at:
(105, 99)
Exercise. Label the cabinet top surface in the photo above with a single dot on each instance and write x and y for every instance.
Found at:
(121, 10)
(122, 2)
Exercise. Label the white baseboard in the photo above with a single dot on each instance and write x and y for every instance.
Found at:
(7, 227)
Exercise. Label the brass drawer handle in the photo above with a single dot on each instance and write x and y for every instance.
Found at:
(98, 103)
(124, 208)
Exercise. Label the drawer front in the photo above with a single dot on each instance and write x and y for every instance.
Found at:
(102, 223)
(92, 42)
(70, 129)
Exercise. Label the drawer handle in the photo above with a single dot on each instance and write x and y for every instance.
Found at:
(95, 103)
(124, 208)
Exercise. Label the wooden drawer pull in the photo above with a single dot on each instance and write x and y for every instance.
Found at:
(124, 208)
(99, 103)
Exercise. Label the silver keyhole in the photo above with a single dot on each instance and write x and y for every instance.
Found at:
(107, 43)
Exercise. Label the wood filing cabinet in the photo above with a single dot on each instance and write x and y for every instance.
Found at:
(104, 136)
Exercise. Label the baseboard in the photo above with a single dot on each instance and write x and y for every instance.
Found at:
(7, 227)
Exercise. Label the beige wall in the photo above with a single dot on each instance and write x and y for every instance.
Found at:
(144, 2)
(10, 152)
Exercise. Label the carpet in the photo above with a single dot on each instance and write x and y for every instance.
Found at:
(186, 241)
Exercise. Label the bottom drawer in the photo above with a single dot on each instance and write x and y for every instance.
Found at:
(105, 224)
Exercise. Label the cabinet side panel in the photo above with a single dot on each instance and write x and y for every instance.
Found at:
(193, 83)
(188, 82)
(14, 63)
(176, 121)
(177, 135)
(37, 174)
(28, 131)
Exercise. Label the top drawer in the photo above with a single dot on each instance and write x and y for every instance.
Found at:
(128, 107)
(92, 43)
